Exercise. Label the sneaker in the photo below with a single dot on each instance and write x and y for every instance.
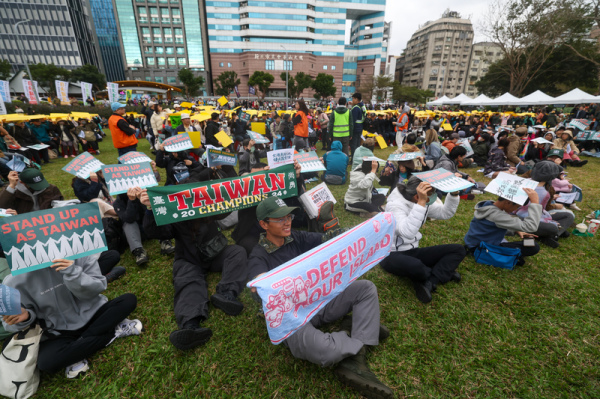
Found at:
(66, 156)
(468, 197)
(77, 369)
(228, 303)
(565, 234)
(456, 277)
(575, 207)
(127, 328)
(423, 291)
(190, 338)
(354, 372)
(141, 257)
(116, 273)
(73, 156)
(552, 242)
(166, 247)
(346, 325)
(476, 192)
(97, 152)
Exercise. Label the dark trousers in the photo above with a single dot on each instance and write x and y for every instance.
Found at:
(377, 201)
(44, 154)
(525, 251)
(248, 243)
(564, 219)
(125, 150)
(421, 264)
(108, 260)
(355, 141)
(191, 289)
(58, 352)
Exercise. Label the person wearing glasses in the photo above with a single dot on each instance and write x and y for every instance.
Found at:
(346, 348)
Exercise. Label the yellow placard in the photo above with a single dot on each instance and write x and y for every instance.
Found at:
(223, 101)
(259, 127)
(381, 142)
(196, 139)
(223, 138)
(447, 126)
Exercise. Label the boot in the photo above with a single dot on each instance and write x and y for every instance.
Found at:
(166, 247)
(354, 372)
(227, 302)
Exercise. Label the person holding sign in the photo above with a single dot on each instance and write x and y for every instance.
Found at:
(450, 162)
(360, 198)
(29, 191)
(175, 163)
(249, 156)
(412, 203)
(200, 248)
(280, 244)
(78, 321)
(493, 219)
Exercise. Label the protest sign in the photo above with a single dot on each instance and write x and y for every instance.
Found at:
(511, 187)
(382, 144)
(179, 142)
(2, 107)
(577, 189)
(259, 127)
(293, 293)
(62, 90)
(113, 92)
(218, 158)
(197, 200)
(175, 121)
(309, 162)
(407, 156)
(17, 163)
(541, 140)
(181, 176)
(583, 135)
(120, 178)
(134, 157)
(223, 101)
(86, 92)
(580, 124)
(223, 138)
(567, 198)
(29, 91)
(31, 241)
(373, 158)
(257, 137)
(4, 213)
(10, 301)
(314, 198)
(595, 136)
(82, 165)
(444, 180)
(465, 143)
(383, 190)
(38, 147)
(280, 157)
(5, 91)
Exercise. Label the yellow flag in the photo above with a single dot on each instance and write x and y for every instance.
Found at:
(223, 101)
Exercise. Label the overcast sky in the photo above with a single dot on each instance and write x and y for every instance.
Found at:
(407, 15)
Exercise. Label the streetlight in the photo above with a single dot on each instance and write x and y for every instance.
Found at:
(20, 47)
(287, 98)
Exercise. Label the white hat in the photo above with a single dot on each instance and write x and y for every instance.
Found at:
(185, 116)
(151, 103)
(176, 106)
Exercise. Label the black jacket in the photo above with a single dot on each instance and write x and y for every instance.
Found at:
(129, 211)
(167, 160)
(24, 136)
(212, 128)
(86, 190)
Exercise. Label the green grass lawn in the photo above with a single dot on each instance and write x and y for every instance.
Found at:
(528, 333)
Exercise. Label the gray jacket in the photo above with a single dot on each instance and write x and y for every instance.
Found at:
(446, 163)
(65, 300)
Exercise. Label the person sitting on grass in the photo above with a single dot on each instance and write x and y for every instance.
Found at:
(412, 203)
(493, 219)
(496, 162)
(190, 268)
(78, 321)
(280, 244)
(450, 163)
(360, 198)
(29, 191)
(365, 150)
(336, 162)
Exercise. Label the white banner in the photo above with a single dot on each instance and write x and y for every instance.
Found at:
(62, 90)
(5, 91)
(36, 90)
(86, 91)
(113, 92)
(29, 91)
(2, 107)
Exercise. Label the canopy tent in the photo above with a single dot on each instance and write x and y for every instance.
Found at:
(536, 98)
(458, 100)
(440, 101)
(476, 101)
(504, 99)
(575, 96)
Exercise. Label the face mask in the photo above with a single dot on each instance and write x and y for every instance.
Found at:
(251, 149)
(432, 199)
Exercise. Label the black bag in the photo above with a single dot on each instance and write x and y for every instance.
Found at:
(210, 249)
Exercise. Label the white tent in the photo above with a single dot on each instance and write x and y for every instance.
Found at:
(504, 99)
(575, 96)
(440, 101)
(458, 100)
(476, 101)
(536, 98)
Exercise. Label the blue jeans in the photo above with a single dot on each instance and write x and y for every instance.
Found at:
(125, 150)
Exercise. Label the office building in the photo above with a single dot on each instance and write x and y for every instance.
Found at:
(160, 37)
(438, 54)
(275, 36)
(483, 55)
(103, 16)
(59, 32)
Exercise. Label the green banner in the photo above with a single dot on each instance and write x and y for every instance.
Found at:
(33, 240)
(171, 204)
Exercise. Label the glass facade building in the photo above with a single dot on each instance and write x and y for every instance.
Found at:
(248, 35)
(60, 32)
(103, 15)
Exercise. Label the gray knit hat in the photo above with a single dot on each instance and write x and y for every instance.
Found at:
(545, 171)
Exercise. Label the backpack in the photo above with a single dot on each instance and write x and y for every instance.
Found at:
(326, 219)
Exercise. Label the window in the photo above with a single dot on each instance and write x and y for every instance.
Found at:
(158, 79)
(150, 61)
(324, 67)
(270, 65)
(288, 65)
(171, 80)
(168, 50)
(181, 61)
(148, 78)
(221, 64)
(333, 67)
(141, 10)
(153, 11)
(145, 31)
(180, 50)
(160, 60)
(148, 50)
(158, 50)
(229, 65)
(171, 61)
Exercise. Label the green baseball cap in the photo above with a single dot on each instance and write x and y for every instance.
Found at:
(34, 178)
(556, 153)
(273, 207)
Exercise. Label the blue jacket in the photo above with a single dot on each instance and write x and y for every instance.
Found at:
(336, 161)
(41, 131)
(357, 115)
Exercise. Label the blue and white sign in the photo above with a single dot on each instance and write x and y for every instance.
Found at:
(5, 91)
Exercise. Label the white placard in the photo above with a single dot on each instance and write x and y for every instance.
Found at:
(541, 140)
(280, 157)
(314, 198)
(511, 187)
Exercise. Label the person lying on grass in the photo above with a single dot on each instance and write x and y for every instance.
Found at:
(280, 244)
(78, 321)
(493, 219)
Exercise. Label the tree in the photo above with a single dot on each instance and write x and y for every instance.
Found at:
(298, 84)
(192, 83)
(529, 32)
(410, 94)
(366, 87)
(90, 74)
(262, 80)
(5, 69)
(226, 82)
(46, 74)
(323, 86)
(383, 84)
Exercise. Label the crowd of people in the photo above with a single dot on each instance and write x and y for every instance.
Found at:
(82, 321)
